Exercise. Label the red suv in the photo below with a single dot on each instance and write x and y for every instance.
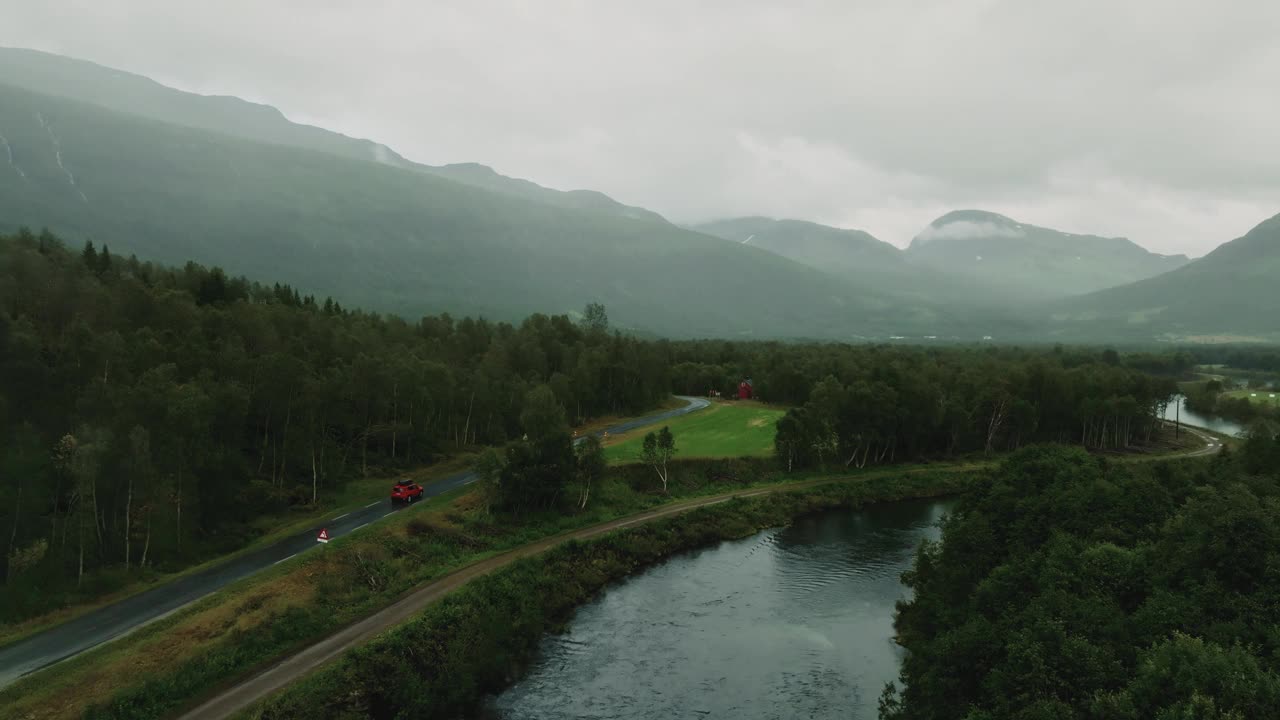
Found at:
(406, 492)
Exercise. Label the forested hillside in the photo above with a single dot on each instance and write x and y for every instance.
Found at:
(125, 92)
(1066, 587)
(397, 240)
(151, 412)
(1229, 294)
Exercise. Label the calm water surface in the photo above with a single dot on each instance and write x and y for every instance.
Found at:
(1179, 411)
(794, 622)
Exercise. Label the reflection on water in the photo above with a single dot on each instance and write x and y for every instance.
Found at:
(795, 622)
(1191, 417)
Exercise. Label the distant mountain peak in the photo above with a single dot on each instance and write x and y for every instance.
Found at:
(1028, 260)
(974, 216)
(966, 224)
(472, 167)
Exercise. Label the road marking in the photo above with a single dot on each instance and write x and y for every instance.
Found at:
(288, 558)
(694, 404)
(365, 525)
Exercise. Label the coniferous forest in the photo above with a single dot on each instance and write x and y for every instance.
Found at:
(152, 412)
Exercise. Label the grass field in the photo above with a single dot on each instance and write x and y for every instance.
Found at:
(1261, 397)
(739, 429)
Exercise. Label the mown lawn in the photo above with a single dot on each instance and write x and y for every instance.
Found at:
(722, 430)
(1256, 396)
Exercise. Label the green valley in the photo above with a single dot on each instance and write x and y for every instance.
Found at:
(394, 360)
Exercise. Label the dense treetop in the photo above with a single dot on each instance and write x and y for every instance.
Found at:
(1069, 587)
(150, 412)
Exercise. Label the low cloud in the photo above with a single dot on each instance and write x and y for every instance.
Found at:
(877, 115)
(965, 229)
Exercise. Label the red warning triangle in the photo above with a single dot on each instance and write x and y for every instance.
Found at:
(323, 536)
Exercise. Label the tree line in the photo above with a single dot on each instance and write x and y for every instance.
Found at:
(1067, 587)
(1210, 398)
(1245, 357)
(150, 412)
(860, 405)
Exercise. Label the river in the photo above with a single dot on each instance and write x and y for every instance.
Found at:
(791, 622)
(1178, 410)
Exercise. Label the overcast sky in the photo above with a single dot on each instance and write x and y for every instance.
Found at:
(1156, 120)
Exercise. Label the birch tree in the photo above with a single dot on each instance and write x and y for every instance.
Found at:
(657, 451)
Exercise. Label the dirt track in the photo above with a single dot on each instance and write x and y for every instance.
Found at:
(277, 676)
(259, 686)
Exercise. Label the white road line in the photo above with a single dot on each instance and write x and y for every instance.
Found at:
(288, 558)
(342, 516)
(375, 502)
(365, 525)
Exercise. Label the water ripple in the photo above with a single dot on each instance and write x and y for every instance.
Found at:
(787, 623)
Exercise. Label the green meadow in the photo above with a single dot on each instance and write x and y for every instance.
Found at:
(722, 430)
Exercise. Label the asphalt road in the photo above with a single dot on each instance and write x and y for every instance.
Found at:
(252, 689)
(112, 621)
(261, 685)
(1212, 444)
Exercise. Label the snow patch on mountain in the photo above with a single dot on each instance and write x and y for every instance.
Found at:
(57, 155)
(9, 152)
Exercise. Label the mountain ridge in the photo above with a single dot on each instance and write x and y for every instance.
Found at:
(1028, 261)
(131, 93)
(352, 218)
(1228, 292)
(400, 241)
(808, 242)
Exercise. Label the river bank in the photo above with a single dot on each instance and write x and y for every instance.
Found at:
(475, 641)
(793, 621)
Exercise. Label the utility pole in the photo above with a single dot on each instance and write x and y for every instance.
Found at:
(1177, 422)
